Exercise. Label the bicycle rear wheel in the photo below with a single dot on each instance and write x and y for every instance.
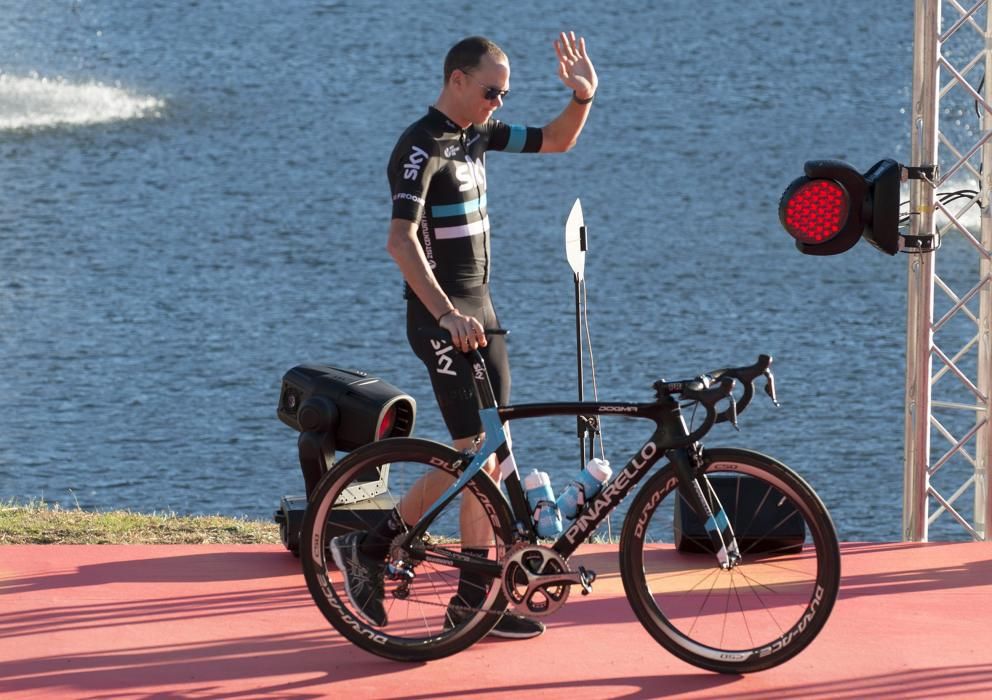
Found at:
(426, 618)
(757, 614)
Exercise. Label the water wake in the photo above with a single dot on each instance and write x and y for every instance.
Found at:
(35, 102)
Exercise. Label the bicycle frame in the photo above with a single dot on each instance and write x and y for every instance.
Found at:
(484, 558)
(670, 431)
(671, 438)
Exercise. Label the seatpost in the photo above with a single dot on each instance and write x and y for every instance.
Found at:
(483, 387)
(484, 394)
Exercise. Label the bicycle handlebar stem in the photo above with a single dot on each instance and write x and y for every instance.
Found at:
(711, 388)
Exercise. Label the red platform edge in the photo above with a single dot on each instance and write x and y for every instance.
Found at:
(210, 621)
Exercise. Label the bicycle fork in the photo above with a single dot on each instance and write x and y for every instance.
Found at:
(697, 492)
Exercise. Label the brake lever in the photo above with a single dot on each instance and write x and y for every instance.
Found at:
(770, 387)
(732, 410)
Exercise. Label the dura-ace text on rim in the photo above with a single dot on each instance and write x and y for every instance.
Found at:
(749, 617)
(416, 628)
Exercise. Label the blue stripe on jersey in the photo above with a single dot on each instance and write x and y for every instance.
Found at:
(460, 209)
(518, 138)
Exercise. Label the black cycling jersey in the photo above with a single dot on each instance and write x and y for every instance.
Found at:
(437, 173)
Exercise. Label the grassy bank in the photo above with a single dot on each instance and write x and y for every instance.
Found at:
(41, 523)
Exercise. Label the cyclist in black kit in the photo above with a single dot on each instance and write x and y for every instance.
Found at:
(439, 238)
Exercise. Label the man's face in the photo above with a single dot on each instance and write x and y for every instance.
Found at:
(483, 88)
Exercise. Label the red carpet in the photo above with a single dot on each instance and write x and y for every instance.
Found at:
(237, 622)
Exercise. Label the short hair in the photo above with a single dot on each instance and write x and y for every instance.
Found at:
(468, 53)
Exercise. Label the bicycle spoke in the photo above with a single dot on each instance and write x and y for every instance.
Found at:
(772, 601)
(416, 603)
(740, 606)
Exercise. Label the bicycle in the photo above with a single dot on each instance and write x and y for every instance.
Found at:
(726, 602)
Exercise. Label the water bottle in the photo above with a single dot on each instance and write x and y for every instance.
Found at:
(542, 504)
(584, 488)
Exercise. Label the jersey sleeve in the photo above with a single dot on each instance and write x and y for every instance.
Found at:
(513, 138)
(411, 167)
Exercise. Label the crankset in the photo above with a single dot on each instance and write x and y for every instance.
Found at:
(536, 580)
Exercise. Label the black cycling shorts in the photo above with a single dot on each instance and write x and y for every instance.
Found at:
(449, 369)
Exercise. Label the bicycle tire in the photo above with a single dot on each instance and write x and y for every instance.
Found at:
(415, 630)
(756, 615)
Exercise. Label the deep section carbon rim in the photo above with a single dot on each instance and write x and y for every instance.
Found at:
(433, 612)
(756, 614)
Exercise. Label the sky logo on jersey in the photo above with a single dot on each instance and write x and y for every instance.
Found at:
(411, 169)
(471, 175)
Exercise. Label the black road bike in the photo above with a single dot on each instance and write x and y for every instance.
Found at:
(728, 558)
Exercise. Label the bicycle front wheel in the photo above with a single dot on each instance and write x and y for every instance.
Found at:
(435, 611)
(754, 615)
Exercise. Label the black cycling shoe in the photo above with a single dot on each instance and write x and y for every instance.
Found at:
(509, 626)
(362, 577)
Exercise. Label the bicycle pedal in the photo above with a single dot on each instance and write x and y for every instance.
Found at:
(586, 578)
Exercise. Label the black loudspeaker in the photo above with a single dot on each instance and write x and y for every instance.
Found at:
(339, 409)
(768, 524)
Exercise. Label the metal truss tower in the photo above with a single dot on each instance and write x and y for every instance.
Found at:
(948, 458)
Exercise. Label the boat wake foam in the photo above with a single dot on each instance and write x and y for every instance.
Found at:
(32, 102)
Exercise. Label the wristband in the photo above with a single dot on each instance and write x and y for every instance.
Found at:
(585, 101)
(445, 314)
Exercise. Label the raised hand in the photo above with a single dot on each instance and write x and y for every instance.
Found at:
(574, 67)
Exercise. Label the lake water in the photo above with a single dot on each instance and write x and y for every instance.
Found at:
(193, 200)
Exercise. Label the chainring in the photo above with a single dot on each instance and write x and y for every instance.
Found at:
(524, 567)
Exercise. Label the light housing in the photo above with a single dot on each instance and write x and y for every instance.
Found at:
(829, 208)
(355, 407)
(339, 409)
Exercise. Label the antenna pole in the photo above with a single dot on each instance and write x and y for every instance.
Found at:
(576, 245)
(582, 421)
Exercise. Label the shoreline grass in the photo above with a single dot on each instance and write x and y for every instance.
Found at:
(40, 523)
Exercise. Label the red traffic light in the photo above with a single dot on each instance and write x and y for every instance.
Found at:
(826, 205)
(828, 209)
(814, 211)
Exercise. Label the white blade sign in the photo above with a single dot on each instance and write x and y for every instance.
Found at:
(574, 248)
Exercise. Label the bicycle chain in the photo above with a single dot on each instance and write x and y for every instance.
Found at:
(469, 609)
(465, 608)
(458, 607)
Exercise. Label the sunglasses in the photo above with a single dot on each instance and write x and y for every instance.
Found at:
(491, 93)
